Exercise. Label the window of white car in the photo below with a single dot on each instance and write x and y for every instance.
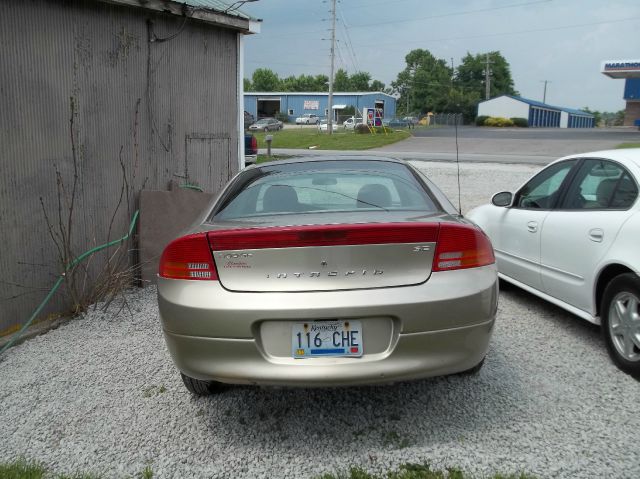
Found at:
(542, 191)
(601, 184)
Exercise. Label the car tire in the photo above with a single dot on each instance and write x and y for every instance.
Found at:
(620, 314)
(201, 388)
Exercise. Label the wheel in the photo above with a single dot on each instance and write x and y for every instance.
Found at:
(620, 313)
(202, 388)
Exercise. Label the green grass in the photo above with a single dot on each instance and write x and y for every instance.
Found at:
(305, 138)
(628, 145)
(23, 469)
(417, 471)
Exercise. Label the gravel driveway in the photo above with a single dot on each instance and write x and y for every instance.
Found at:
(101, 395)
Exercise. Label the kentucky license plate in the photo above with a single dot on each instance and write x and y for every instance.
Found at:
(326, 338)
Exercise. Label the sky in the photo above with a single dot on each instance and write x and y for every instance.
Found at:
(561, 41)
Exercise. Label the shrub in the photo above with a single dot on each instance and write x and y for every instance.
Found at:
(362, 129)
(481, 119)
(282, 117)
(498, 121)
(520, 122)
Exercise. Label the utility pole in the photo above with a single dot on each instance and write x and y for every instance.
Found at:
(333, 57)
(487, 77)
(544, 95)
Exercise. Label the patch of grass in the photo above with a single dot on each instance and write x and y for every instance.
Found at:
(304, 138)
(416, 471)
(628, 145)
(265, 158)
(21, 469)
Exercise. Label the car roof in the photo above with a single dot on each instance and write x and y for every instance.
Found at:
(625, 156)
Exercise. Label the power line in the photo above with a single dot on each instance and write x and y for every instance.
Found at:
(563, 27)
(467, 12)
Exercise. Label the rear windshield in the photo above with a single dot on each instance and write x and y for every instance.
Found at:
(324, 186)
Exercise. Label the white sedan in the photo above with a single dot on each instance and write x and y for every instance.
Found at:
(571, 235)
(324, 126)
(307, 119)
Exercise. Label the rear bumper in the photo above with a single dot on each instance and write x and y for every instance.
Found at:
(440, 327)
(414, 356)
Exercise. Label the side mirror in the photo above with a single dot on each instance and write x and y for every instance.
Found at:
(502, 199)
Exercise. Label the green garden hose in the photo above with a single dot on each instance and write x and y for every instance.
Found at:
(60, 279)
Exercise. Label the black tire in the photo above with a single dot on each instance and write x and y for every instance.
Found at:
(201, 388)
(621, 330)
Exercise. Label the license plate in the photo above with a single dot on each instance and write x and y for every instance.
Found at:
(326, 338)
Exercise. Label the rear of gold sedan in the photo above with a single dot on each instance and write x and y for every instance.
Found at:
(321, 300)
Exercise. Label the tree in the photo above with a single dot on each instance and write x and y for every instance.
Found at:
(424, 84)
(470, 75)
(264, 79)
(247, 84)
(359, 81)
(341, 81)
(376, 85)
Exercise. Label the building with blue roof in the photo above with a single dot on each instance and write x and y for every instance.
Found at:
(537, 114)
(294, 104)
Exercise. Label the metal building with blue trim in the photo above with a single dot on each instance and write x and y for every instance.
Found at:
(537, 114)
(294, 104)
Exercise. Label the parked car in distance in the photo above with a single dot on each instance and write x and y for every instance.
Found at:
(327, 271)
(571, 235)
(248, 119)
(411, 120)
(324, 126)
(350, 123)
(266, 124)
(307, 119)
(250, 149)
(395, 123)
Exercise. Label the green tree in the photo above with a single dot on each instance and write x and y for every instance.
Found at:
(376, 85)
(341, 81)
(359, 81)
(247, 84)
(264, 79)
(424, 84)
(470, 74)
(321, 83)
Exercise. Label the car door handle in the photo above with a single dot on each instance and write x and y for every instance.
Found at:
(532, 226)
(596, 234)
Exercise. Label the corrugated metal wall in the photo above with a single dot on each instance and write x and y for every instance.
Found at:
(166, 110)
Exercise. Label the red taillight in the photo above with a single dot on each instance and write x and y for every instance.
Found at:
(188, 257)
(254, 143)
(460, 247)
(323, 235)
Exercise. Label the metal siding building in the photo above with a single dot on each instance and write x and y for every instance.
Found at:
(294, 104)
(536, 113)
(122, 95)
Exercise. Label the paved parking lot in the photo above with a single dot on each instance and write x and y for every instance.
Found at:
(101, 395)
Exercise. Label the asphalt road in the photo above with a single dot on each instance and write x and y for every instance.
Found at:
(535, 146)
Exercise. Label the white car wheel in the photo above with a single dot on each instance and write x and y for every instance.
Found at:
(620, 313)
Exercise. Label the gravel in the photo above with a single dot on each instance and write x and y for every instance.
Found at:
(100, 394)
